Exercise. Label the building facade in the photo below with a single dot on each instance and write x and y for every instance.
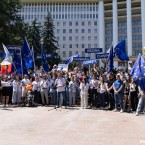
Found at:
(91, 23)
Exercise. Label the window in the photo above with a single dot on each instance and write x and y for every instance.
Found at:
(83, 45)
(64, 23)
(76, 46)
(70, 38)
(64, 38)
(64, 30)
(70, 53)
(58, 23)
(83, 54)
(95, 45)
(64, 54)
(64, 45)
(95, 31)
(77, 52)
(89, 31)
(76, 30)
(95, 23)
(70, 23)
(70, 30)
(76, 38)
(89, 38)
(83, 23)
(89, 23)
(89, 45)
(95, 38)
(58, 31)
(70, 45)
(83, 38)
(83, 30)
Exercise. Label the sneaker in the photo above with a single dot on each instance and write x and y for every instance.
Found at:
(136, 114)
(121, 111)
(115, 110)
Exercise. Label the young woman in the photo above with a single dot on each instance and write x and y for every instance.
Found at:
(6, 91)
(17, 91)
(84, 86)
(102, 88)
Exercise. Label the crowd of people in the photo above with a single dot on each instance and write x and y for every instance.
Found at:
(96, 89)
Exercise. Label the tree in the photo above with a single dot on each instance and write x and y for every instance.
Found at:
(12, 27)
(35, 39)
(49, 40)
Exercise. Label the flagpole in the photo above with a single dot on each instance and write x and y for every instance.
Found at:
(22, 65)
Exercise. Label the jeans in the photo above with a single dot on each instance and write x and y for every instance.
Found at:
(72, 98)
(53, 98)
(120, 97)
(140, 104)
(93, 98)
(61, 97)
(102, 99)
(111, 100)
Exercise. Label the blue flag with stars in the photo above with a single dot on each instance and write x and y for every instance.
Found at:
(138, 72)
(44, 60)
(120, 51)
(26, 54)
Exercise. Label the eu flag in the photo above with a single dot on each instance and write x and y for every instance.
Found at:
(138, 72)
(26, 54)
(110, 60)
(44, 60)
(120, 51)
(70, 59)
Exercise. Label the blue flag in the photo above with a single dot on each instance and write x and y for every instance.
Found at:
(120, 51)
(70, 59)
(26, 54)
(138, 72)
(110, 60)
(44, 60)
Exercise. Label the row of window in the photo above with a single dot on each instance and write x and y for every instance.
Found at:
(63, 16)
(137, 37)
(76, 23)
(59, 8)
(70, 31)
(110, 25)
(78, 46)
(137, 45)
(70, 38)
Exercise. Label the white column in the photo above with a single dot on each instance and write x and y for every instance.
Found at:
(129, 28)
(143, 23)
(115, 23)
(101, 25)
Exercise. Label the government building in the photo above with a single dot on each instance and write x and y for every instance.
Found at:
(81, 24)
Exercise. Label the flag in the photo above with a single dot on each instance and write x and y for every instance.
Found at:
(44, 60)
(138, 72)
(70, 59)
(110, 60)
(3, 69)
(8, 58)
(26, 54)
(32, 53)
(120, 51)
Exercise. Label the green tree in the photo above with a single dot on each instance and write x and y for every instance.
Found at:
(35, 39)
(12, 27)
(49, 40)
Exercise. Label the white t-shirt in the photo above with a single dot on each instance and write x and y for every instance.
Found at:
(60, 84)
(17, 86)
(44, 84)
(36, 85)
(25, 82)
(84, 88)
(92, 84)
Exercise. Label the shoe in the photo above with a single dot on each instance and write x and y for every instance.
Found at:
(115, 110)
(136, 114)
(121, 111)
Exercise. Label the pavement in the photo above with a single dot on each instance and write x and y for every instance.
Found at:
(73, 126)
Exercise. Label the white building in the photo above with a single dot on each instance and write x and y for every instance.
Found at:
(84, 24)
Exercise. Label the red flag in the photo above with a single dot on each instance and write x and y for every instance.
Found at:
(4, 69)
(9, 69)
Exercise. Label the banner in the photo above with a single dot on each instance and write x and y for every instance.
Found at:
(47, 56)
(102, 55)
(63, 67)
(90, 62)
(93, 50)
(81, 58)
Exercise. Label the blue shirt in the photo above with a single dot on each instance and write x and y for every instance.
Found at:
(118, 84)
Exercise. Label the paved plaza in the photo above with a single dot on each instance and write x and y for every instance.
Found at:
(47, 126)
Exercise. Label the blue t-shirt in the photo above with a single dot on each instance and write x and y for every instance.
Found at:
(118, 84)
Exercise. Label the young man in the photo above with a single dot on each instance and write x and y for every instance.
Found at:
(118, 92)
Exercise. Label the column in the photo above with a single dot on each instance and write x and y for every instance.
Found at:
(143, 23)
(101, 25)
(129, 28)
(115, 23)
